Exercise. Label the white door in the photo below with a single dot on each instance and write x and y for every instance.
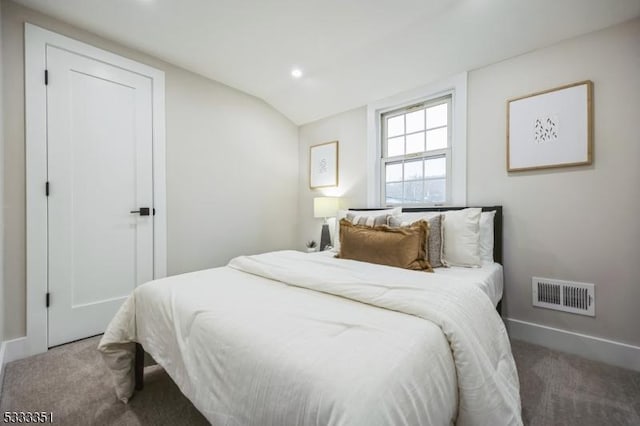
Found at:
(99, 140)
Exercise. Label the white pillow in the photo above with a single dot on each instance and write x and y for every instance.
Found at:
(461, 231)
(486, 236)
(396, 211)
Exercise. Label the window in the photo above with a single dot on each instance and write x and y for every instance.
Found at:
(416, 153)
(437, 147)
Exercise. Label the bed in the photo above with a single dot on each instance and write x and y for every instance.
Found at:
(289, 338)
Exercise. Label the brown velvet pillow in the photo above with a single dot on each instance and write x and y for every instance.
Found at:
(402, 247)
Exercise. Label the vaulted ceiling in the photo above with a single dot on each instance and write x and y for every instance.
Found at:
(352, 52)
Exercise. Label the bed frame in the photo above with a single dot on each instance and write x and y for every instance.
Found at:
(497, 222)
(497, 256)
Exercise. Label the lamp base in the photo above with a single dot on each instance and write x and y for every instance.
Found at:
(325, 237)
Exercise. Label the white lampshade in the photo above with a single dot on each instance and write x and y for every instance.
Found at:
(325, 206)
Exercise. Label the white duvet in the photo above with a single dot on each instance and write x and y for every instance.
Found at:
(285, 338)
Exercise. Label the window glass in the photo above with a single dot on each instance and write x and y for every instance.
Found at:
(415, 121)
(415, 143)
(395, 126)
(437, 139)
(437, 116)
(395, 146)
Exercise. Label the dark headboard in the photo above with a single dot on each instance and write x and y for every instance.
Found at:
(497, 223)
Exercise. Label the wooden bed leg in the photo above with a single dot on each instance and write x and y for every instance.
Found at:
(139, 367)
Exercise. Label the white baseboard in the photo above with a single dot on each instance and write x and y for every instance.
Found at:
(595, 348)
(16, 349)
(11, 350)
(3, 348)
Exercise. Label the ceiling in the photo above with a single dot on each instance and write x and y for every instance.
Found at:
(352, 52)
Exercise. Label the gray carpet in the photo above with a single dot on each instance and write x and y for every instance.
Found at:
(72, 382)
(560, 389)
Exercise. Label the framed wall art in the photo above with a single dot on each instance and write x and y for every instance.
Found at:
(553, 128)
(323, 165)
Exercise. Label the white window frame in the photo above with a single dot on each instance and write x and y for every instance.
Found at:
(456, 87)
(436, 153)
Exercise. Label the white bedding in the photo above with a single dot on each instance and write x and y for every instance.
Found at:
(266, 341)
(489, 277)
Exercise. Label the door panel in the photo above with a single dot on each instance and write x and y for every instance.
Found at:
(100, 169)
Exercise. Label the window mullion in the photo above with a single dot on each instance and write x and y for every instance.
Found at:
(403, 183)
(424, 179)
(434, 128)
(383, 181)
(416, 155)
(404, 120)
(424, 117)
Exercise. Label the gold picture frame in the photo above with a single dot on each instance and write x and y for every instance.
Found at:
(323, 165)
(552, 128)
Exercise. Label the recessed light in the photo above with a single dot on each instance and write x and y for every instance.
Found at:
(296, 73)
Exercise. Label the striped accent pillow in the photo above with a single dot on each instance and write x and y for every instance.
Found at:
(369, 221)
(434, 242)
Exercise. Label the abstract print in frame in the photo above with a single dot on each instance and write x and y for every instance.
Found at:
(553, 128)
(323, 165)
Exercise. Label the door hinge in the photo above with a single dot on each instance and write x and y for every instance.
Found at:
(48, 299)
(46, 77)
(46, 188)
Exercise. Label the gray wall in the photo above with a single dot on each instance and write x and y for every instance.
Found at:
(232, 166)
(1, 200)
(573, 223)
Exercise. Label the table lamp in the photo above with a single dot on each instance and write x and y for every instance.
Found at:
(325, 207)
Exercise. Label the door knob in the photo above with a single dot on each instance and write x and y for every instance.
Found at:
(144, 211)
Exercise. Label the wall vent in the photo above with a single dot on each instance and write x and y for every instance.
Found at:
(566, 296)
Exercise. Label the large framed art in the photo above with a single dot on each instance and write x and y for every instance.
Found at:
(552, 128)
(323, 165)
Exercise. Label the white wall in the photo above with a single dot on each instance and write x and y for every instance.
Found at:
(350, 129)
(231, 175)
(232, 166)
(573, 223)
